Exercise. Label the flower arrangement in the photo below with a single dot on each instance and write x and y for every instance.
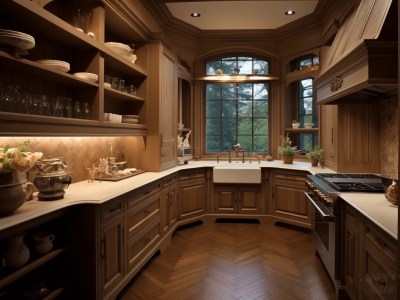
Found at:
(17, 159)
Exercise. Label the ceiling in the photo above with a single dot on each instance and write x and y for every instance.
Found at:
(236, 15)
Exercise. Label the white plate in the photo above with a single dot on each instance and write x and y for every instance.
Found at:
(131, 116)
(119, 48)
(130, 121)
(56, 64)
(87, 76)
(17, 42)
(13, 33)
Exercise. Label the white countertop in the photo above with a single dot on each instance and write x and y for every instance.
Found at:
(374, 206)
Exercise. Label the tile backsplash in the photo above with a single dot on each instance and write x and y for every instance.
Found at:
(78, 152)
(389, 118)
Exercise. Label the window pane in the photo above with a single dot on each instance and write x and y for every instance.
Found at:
(237, 112)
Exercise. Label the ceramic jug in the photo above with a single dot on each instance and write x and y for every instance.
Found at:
(43, 242)
(16, 253)
(295, 124)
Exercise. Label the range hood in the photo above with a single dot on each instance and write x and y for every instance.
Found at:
(362, 61)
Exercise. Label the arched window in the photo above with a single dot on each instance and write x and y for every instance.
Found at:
(237, 111)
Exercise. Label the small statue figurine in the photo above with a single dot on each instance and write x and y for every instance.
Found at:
(185, 142)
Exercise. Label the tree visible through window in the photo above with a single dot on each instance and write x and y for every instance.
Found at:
(237, 112)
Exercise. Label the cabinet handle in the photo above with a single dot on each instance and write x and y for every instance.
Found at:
(147, 211)
(147, 239)
(103, 248)
(332, 135)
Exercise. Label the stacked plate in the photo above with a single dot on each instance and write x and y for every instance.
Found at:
(59, 65)
(87, 76)
(131, 119)
(16, 39)
(123, 50)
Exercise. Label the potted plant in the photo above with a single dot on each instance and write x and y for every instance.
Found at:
(287, 150)
(316, 155)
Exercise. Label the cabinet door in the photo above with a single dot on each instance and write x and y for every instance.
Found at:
(249, 201)
(378, 275)
(225, 199)
(328, 130)
(351, 257)
(192, 198)
(169, 208)
(112, 242)
(288, 202)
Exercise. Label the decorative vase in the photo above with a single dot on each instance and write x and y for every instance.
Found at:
(43, 242)
(314, 161)
(287, 159)
(16, 253)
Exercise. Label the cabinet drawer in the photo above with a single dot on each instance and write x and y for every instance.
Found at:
(140, 245)
(192, 174)
(142, 214)
(140, 195)
(294, 177)
(112, 209)
(378, 238)
(170, 181)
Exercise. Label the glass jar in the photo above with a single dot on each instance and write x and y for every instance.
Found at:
(77, 110)
(86, 110)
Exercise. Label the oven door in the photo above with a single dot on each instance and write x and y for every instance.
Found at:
(326, 237)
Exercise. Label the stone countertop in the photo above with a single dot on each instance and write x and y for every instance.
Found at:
(374, 206)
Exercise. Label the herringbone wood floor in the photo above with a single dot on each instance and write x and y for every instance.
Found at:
(234, 261)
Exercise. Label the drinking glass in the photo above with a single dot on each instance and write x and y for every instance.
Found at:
(122, 87)
(58, 107)
(45, 105)
(68, 109)
(77, 110)
(2, 96)
(115, 83)
(86, 110)
(36, 107)
(131, 89)
(10, 100)
(25, 101)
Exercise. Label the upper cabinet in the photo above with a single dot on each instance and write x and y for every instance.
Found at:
(42, 48)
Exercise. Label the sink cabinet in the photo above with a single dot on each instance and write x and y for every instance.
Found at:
(287, 201)
(237, 199)
(57, 39)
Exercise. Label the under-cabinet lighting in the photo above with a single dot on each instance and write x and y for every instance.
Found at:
(195, 14)
(290, 12)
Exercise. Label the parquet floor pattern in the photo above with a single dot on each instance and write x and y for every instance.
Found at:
(234, 261)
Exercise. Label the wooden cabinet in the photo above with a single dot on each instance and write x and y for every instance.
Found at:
(56, 38)
(243, 199)
(351, 254)
(192, 196)
(287, 202)
(169, 204)
(111, 245)
(20, 277)
(351, 144)
(369, 258)
(161, 142)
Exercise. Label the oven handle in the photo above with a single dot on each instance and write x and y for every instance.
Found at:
(326, 215)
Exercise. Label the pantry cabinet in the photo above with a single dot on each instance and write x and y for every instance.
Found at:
(237, 199)
(369, 258)
(351, 144)
(53, 28)
(169, 204)
(287, 202)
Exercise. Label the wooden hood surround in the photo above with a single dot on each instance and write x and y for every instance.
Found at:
(362, 61)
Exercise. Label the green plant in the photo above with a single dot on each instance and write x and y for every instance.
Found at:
(17, 159)
(317, 153)
(286, 148)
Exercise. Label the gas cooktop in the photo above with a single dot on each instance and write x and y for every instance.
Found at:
(349, 182)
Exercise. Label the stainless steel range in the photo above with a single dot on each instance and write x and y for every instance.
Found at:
(323, 192)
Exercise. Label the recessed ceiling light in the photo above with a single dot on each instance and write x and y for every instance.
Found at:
(195, 14)
(290, 12)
